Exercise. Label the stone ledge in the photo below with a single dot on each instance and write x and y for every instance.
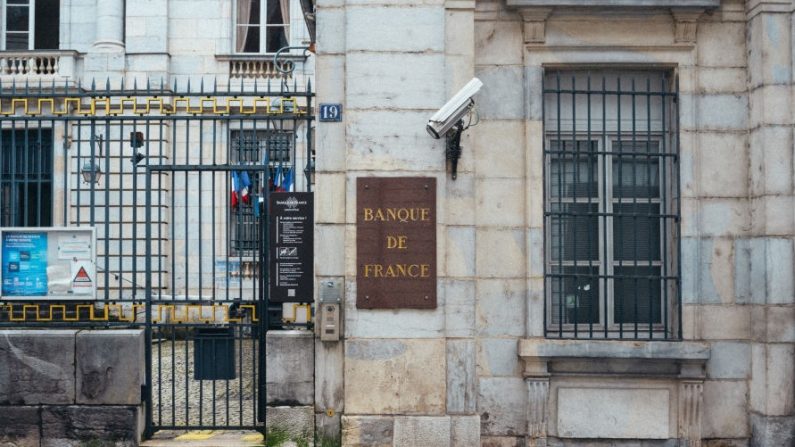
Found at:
(614, 349)
(618, 3)
(689, 356)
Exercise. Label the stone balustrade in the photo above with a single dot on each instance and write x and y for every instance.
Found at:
(257, 69)
(37, 64)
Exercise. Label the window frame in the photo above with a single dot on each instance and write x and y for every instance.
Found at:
(262, 29)
(31, 31)
(606, 142)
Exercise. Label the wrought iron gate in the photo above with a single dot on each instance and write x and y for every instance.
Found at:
(175, 180)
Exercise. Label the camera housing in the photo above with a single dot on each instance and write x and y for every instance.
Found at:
(454, 110)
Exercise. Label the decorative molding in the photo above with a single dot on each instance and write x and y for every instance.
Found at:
(617, 3)
(690, 411)
(535, 24)
(537, 410)
(459, 4)
(686, 24)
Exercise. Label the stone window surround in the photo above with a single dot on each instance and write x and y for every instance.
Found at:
(540, 355)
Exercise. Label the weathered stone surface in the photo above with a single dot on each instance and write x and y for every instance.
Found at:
(496, 102)
(729, 360)
(76, 425)
(502, 404)
(290, 368)
(636, 413)
(37, 367)
(459, 308)
(328, 426)
(410, 29)
(110, 367)
(367, 431)
(422, 431)
(501, 307)
(19, 426)
(299, 422)
(395, 376)
(501, 441)
(725, 409)
(498, 357)
(461, 377)
(465, 431)
(770, 431)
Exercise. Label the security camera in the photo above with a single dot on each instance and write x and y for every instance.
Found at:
(456, 108)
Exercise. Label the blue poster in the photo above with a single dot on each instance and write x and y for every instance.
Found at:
(25, 264)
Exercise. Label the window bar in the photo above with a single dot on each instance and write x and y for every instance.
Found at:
(634, 205)
(201, 242)
(65, 184)
(590, 206)
(575, 205)
(214, 238)
(559, 264)
(604, 202)
(664, 207)
(5, 184)
(651, 218)
(546, 191)
(25, 174)
(614, 215)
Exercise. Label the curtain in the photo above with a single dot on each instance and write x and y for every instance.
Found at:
(285, 6)
(243, 18)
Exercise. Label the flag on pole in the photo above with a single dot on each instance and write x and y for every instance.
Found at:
(289, 178)
(245, 187)
(234, 199)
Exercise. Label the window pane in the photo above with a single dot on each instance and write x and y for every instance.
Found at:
(573, 172)
(636, 232)
(26, 178)
(637, 294)
(277, 38)
(18, 2)
(575, 294)
(16, 41)
(278, 12)
(636, 175)
(575, 232)
(47, 26)
(248, 12)
(17, 18)
(247, 39)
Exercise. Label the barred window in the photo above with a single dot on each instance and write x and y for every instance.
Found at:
(611, 205)
(248, 147)
(26, 179)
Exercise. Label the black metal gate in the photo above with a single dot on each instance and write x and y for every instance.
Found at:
(175, 181)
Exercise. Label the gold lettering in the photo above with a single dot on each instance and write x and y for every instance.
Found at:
(413, 270)
(425, 214)
(397, 271)
(425, 271)
(399, 242)
(368, 214)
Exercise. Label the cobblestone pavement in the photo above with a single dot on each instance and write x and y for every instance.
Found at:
(194, 403)
(205, 438)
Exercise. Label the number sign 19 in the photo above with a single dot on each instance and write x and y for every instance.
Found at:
(330, 112)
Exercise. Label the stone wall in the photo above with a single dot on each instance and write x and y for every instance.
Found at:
(477, 358)
(68, 387)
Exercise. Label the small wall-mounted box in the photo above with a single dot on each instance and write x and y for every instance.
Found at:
(330, 299)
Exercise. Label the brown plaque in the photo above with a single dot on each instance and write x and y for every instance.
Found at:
(396, 242)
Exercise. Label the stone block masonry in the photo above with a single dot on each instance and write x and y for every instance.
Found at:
(70, 387)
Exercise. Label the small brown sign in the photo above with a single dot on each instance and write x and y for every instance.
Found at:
(396, 242)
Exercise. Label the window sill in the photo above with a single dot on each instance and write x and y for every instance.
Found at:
(619, 3)
(685, 359)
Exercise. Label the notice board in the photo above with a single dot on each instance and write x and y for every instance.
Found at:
(291, 247)
(51, 263)
(396, 242)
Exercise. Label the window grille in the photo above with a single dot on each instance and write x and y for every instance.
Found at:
(26, 182)
(611, 205)
(250, 148)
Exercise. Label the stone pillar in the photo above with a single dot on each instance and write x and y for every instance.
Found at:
(770, 76)
(536, 378)
(110, 25)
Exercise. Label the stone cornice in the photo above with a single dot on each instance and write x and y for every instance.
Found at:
(699, 4)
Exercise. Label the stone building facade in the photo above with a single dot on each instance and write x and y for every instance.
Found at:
(706, 92)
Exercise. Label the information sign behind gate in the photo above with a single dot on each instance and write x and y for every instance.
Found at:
(396, 242)
(291, 247)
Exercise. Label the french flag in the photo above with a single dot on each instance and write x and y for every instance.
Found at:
(244, 187)
(235, 182)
